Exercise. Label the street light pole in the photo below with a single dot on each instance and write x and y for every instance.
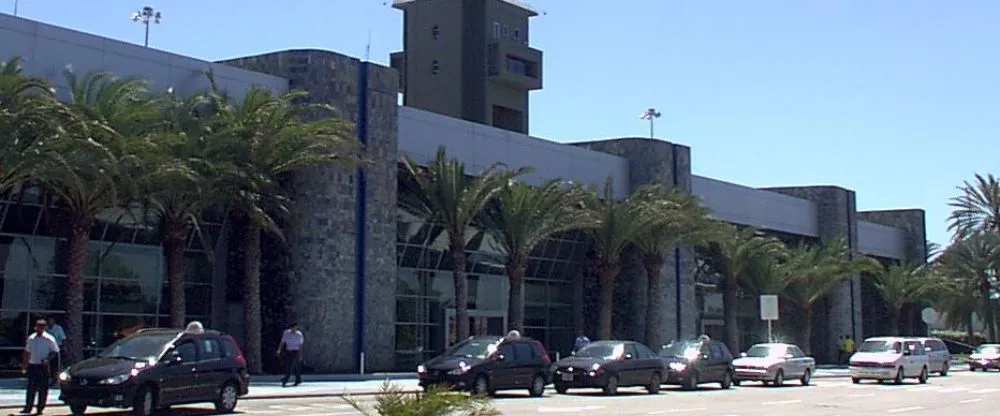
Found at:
(147, 15)
(651, 114)
(15, 8)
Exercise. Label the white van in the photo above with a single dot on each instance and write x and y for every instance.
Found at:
(889, 358)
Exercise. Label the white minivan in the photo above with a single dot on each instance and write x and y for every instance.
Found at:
(889, 358)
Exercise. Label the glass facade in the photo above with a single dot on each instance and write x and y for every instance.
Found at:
(124, 285)
(425, 293)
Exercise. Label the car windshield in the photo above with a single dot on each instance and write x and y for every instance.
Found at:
(988, 349)
(139, 347)
(680, 349)
(473, 349)
(601, 350)
(881, 346)
(764, 351)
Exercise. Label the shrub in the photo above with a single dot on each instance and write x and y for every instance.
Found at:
(960, 336)
(435, 401)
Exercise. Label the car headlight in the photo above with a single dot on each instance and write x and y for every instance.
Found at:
(119, 379)
(421, 369)
(595, 367)
(678, 366)
(65, 376)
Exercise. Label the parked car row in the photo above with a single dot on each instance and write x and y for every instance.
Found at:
(487, 364)
(898, 358)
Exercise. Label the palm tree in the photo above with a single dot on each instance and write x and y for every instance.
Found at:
(904, 284)
(91, 170)
(521, 217)
(676, 218)
(734, 253)
(615, 224)
(975, 261)
(442, 193)
(976, 208)
(263, 138)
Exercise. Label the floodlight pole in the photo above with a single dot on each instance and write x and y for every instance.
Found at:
(15, 7)
(146, 16)
(651, 115)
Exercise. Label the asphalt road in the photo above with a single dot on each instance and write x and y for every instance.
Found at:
(960, 393)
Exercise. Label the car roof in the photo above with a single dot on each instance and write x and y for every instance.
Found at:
(174, 332)
(774, 344)
(890, 339)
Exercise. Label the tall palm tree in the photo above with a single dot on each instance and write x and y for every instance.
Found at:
(442, 193)
(734, 252)
(615, 225)
(522, 216)
(975, 261)
(904, 284)
(91, 169)
(263, 138)
(676, 218)
(976, 208)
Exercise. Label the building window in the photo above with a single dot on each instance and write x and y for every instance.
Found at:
(435, 67)
(497, 30)
(506, 32)
(435, 32)
(521, 67)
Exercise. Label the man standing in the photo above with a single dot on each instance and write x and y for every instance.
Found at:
(848, 348)
(39, 352)
(59, 335)
(580, 341)
(290, 349)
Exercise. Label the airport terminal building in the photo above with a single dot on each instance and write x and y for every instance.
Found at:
(362, 276)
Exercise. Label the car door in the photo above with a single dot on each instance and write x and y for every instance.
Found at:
(526, 363)
(180, 378)
(211, 369)
(502, 370)
(715, 362)
(802, 362)
(648, 362)
(632, 372)
(912, 362)
(794, 364)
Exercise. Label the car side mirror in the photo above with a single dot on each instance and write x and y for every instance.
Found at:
(928, 349)
(907, 352)
(628, 356)
(572, 353)
(743, 354)
(501, 357)
(174, 358)
(789, 356)
(703, 356)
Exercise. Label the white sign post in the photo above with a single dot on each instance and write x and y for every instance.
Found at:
(769, 312)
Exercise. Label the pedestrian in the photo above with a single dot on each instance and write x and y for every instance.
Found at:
(195, 327)
(848, 348)
(59, 335)
(290, 349)
(39, 351)
(581, 341)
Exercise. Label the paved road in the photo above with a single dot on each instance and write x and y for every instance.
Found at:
(961, 393)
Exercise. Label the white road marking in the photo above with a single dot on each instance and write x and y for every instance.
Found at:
(673, 411)
(982, 391)
(781, 402)
(954, 390)
(972, 400)
(862, 395)
(906, 409)
(568, 409)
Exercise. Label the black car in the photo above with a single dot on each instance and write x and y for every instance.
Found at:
(690, 363)
(486, 364)
(609, 365)
(156, 368)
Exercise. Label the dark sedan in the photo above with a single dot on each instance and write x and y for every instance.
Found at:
(486, 364)
(691, 363)
(609, 365)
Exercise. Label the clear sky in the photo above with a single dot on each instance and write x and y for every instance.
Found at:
(897, 100)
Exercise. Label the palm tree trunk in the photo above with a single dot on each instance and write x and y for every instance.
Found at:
(461, 281)
(174, 241)
(607, 270)
(515, 304)
(894, 321)
(730, 299)
(653, 263)
(251, 296)
(76, 245)
(970, 329)
(988, 315)
(807, 329)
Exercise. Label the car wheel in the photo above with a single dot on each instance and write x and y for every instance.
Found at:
(779, 378)
(692, 382)
(228, 397)
(654, 384)
(806, 377)
(944, 369)
(561, 389)
(727, 381)
(537, 386)
(481, 387)
(145, 402)
(972, 369)
(899, 376)
(855, 380)
(736, 382)
(923, 376)
(611, 387)
(77, 409)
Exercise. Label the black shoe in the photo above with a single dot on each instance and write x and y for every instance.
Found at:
(297, 383)
(26, 411)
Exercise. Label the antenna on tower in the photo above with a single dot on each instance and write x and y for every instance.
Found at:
(368, 47)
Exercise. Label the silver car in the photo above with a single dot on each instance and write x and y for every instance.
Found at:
(938, 356)
(773, 363)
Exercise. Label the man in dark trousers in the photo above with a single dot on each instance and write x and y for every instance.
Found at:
(290, 349)
(39, 354)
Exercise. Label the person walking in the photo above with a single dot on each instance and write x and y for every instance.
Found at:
(290, 349)
(848, 348)
(39, 352)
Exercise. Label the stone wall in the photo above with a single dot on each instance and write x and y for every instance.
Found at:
(914, 225)
(836, 210)
(324, 232)
(652, 161)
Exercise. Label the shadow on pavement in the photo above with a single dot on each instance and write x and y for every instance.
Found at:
(181, 411)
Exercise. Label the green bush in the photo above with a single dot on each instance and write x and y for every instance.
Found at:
(960, 336)
(435, 401)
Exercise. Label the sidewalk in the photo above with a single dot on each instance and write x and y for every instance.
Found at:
(265, 387)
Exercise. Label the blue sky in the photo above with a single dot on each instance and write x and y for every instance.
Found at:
(896, 100)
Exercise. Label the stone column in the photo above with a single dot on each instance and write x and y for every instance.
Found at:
(911, 221)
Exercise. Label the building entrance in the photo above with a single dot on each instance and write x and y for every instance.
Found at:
(480, 323)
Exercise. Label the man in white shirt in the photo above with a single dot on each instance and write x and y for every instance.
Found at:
(40, 350)
(290, 349)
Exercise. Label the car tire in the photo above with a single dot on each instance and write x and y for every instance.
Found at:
(736, 382)
(77, 409)
(144, 403)
(899, 376)
(561, 389)
(972, 369)
(481, 386)
(806, 377)
(611, 386)
(727, 380)
(691, 383)
(229, 396)
(944, 369)
(922, 378)
(654, 384)
(855, 380)
(537, 388)
(779, 378)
